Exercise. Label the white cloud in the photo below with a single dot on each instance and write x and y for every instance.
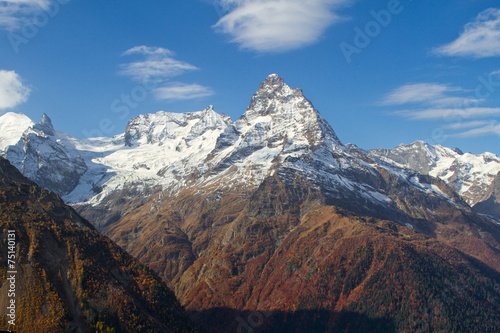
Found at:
(148, 50)
(12, 12)
(448, 113)
(490, 128)
(277, 25)
(158, 65)
(433, 101)
(182, 91)
(12, 90)
(480, 39)
(431, 94)
(469, 124)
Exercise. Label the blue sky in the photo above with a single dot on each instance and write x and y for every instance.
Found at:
(382, 72)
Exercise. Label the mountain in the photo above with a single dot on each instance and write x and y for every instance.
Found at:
(471, 176)
(35, 150)
(68, 276)
(270, 222)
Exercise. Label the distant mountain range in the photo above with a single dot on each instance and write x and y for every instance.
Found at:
(273, 216)
(280, 127)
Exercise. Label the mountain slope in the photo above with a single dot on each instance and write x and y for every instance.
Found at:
(69, 277)
(311, 267)
(337, 272)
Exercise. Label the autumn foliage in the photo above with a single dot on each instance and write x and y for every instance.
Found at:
(70, 277)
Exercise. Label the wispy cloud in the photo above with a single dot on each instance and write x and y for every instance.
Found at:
(278, 25)
(448, 113)
(469, 124)
(491, 128)
(156, 67)
(480, 38)
(434, 101)
(182, 91)
(430, 94)
(12, 91)
(12, 12)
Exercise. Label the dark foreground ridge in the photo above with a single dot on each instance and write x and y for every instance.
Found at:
(69, 277)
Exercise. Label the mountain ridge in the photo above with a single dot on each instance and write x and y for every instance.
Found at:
(216, 209)
(281, 131)
(469, 175)
(297, 129)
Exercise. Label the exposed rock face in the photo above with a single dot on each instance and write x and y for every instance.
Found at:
(71, 278)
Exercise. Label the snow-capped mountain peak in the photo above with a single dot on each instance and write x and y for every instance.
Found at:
(279, 123)
(36, 150)
(272, 98)
(283, 112)
(158, 127)
(274, 85)
(12, 127)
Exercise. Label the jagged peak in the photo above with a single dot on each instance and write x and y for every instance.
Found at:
(45, 125)
(285, 112)
(275, 97)
(46, 120)
(419, 144)
(273, 81)
(274, 86)
(166, 116)
(210, 112)
(458, 151)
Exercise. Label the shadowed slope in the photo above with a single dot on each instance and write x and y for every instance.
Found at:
(69, 277)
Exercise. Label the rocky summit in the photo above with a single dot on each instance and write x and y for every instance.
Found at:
(270, 223)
